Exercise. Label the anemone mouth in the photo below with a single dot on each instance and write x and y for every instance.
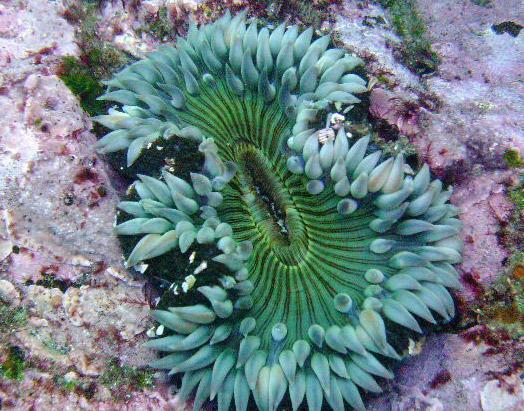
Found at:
(267, 201)
(250, 133)
(297, 259)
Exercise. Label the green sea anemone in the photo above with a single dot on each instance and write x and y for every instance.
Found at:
(298, 261)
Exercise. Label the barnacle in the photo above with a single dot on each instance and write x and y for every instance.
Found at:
(302, 260)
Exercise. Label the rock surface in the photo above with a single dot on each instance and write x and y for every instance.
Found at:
(60, 261)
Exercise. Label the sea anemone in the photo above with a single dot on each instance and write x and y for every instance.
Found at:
(298, 261)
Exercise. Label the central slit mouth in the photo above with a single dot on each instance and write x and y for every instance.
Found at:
(266, 198)
(265, 193)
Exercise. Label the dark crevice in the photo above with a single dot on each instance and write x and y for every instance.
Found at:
(179, 155)
(510, 27)
(168, 271)
(49, 280)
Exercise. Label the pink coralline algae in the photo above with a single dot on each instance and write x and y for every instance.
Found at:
(484, 208)
(387, 106)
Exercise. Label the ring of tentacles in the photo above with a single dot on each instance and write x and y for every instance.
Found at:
(298, 259)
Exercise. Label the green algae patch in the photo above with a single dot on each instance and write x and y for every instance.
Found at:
(13, 367)
(306, 12)
(310, 13)
(83, 75)
(416, 50)
(12, 318)
(513, 230)
(122, 379)
(161, 27)
(517, 196)
(70, 385)
(79, 79)
(513, 158)
(504, 304)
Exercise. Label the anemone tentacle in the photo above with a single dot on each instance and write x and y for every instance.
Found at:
(308, 257)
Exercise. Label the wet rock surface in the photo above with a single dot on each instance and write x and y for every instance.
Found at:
(455, 373)
(75, 313)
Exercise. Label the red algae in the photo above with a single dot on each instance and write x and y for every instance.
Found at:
(441, 378)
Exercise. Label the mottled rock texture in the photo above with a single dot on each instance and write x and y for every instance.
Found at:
(77, 315)
(82, 309)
